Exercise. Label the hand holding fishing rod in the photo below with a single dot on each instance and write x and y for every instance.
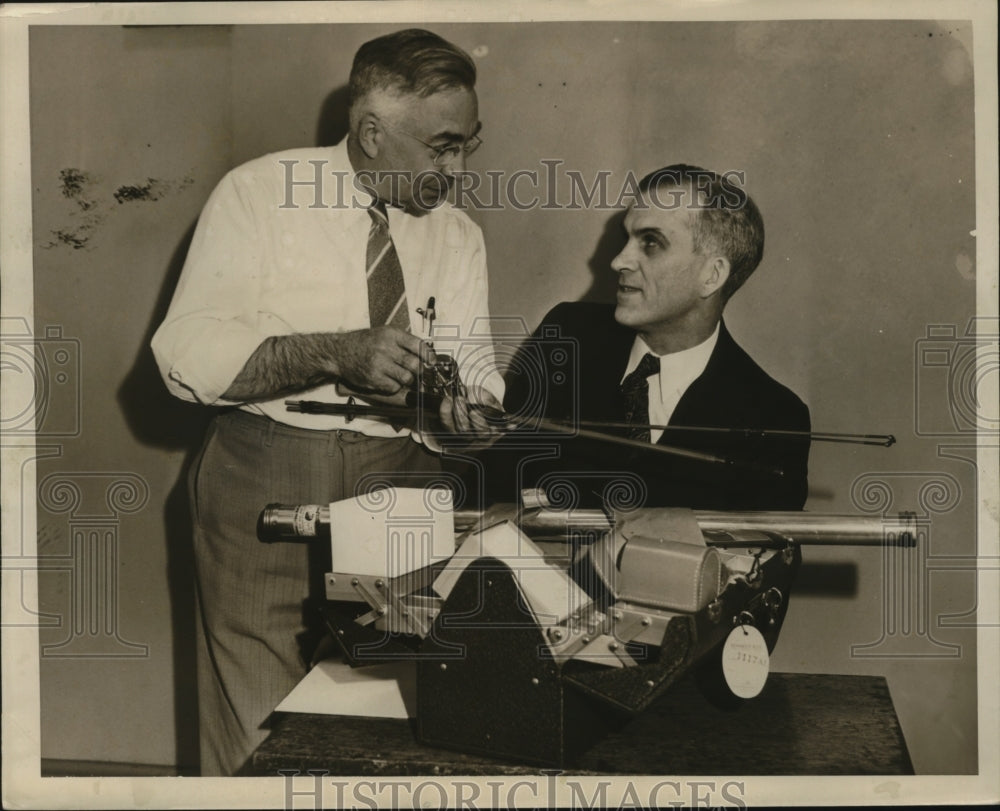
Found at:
(437, 403)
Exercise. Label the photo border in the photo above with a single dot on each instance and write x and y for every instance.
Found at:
(22, 785)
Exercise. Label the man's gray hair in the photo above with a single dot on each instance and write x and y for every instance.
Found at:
(411, 61)
(723, 217)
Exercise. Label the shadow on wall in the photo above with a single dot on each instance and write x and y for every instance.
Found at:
(605, 282)
(159, 420)
(332, 126)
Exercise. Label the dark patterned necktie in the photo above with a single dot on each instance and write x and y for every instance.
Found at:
(386, 292)
(635, 390)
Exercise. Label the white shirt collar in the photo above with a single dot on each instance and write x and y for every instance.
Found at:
(678, 371)
(687, 364)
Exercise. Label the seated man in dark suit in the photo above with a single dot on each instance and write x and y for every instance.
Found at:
(661, 356)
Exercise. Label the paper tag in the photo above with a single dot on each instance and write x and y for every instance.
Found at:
(745, 661)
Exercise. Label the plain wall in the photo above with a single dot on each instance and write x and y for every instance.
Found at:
(856, 143)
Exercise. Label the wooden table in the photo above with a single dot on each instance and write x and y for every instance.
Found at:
(801, 724)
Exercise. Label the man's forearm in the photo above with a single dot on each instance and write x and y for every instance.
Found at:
(286, 363)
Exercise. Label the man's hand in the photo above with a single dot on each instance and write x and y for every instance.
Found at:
(460, 418)
(382, 360)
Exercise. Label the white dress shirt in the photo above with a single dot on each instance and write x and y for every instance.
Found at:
(266, 260)
(678, 371)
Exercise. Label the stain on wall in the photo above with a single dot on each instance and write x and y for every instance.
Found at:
(74, 184)
(77, 186)
(85, 192)
(150, 191)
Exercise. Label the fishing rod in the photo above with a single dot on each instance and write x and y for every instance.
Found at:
(505, 421)
(499, 419)
(881, 440)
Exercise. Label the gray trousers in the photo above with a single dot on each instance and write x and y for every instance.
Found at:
(256, 632)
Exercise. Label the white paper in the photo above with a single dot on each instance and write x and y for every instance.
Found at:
(333, 687)
(391, 532)
(551, 593)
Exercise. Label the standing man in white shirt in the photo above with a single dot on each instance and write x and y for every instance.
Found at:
(661, 362)
(312, 269)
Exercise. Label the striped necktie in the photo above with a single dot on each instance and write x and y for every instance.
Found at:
(386, 292)
(635, 389)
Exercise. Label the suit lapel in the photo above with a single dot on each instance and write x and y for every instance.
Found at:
(614, 352)
(708, 400)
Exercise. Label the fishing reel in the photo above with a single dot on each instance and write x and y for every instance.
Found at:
(441, 379)
(436, 381)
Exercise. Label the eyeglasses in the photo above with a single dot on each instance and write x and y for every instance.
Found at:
(443, 155)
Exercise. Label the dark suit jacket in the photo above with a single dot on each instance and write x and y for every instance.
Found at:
(580, 353)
